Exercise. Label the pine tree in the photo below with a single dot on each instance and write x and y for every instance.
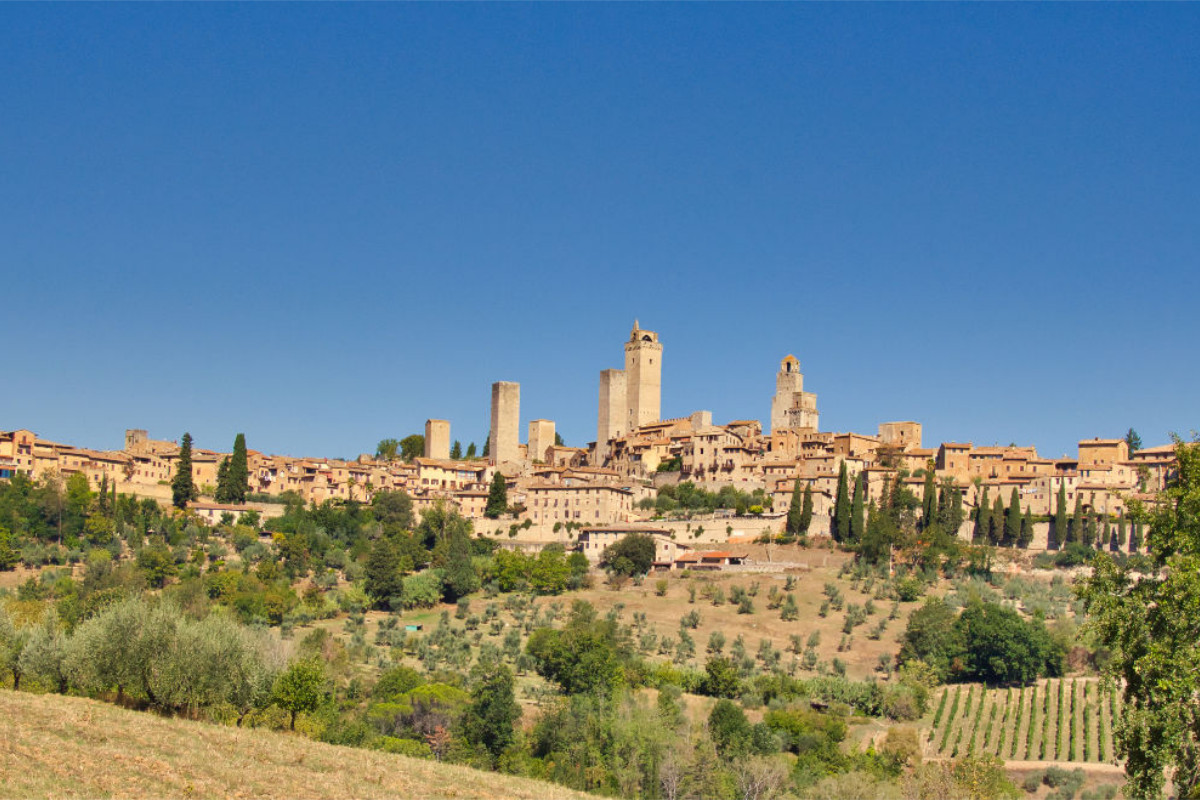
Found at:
(456, 451)
(858, 522)
(1026, 530)
(840, 527)
(239, 470)
(497, 502)
(806, 511)
(996, 521)
(983, 515)
(1133, 441)
(1059, 529)
(183, 488)
(1012, 522)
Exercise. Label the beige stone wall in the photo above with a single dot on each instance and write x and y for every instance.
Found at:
(503, 446)
(613, 413)
(900, 434)
(437, 438)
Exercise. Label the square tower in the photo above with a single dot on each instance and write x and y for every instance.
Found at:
(643, 377)
(614, 413)
(504, 444)
(541, 438)
(792, 408)
(437, 438)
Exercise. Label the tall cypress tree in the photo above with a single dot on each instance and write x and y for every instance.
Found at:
(929, 499)
(983, 515)
(497, 502)
(239, 470)
(996, 521)
(795, 509)
(840, 527)
(1075, 526)
(1026, 536)
(1060, 517)
(1012, 522)
(858, 523)
(183, 488)
(456, 451)
(224, 490)
(957, 514)
(1121, 530)
(806, 511)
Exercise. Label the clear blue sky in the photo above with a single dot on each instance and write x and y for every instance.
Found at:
(321, 224)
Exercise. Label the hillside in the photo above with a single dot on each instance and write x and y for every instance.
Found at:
(52, 746)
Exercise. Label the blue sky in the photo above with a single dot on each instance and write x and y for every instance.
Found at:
(321, 224)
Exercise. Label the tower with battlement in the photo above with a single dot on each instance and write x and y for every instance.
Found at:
(643, 377)
(792, 408)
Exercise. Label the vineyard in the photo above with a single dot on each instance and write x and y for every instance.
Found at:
(1061, 720)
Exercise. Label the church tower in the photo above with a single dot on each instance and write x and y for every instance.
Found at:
(643, 377)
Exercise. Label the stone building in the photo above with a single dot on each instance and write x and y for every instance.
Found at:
(504, 444)
(630, 398)
(437, 438)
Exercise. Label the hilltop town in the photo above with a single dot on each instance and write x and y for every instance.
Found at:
(611, 484)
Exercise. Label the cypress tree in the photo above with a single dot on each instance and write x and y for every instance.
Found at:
(239, 470)
(929, 499)
(1110, 535)
(456, 451)
(957, 515)
(1075, 525)
(224, 490)
(806, 511)
(1060, 517)
(996, 521)
(795, 509)
(1121, 530)
(1135, 537)
(183, 488)
(471, 451)
(497, 502)
(1012, 522)
(1026, 530)
(840, 527)
(983, 514)
(858, 522)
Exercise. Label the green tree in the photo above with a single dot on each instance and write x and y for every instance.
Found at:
(456, 450)
(999, 647)
(932, 638)
(731, 732)
(806, 511)
(387, 449)
(1059, 528)
(384, 573)
(459, 577)
(471, 451)
(224, 490)
(1149, 623)
(497, 502)
(412, 446)
(1012, 520)
(1075, 532)
(929, 498)
(239, 471)
(858, 522)
(587, 656)
(983, 516)
(840, 523)
(1133, 441)
(489, 721)
(632, 554)
(996, 521)
(1026, 537)
(796, 511)
(183, 487)
(299, 688)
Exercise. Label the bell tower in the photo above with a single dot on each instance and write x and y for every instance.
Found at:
(643, 376)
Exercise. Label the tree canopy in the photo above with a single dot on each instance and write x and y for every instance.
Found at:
(633, 554)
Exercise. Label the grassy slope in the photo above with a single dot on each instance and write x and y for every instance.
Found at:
(53, 746)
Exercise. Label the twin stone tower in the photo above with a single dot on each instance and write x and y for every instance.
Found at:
(629, 398)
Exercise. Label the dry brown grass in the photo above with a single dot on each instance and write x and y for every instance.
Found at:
(53, 747)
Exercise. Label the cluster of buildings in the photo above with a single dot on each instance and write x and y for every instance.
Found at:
(553, 487)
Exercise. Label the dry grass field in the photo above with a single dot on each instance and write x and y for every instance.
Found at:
(56, 747)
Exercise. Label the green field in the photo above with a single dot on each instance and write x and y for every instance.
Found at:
(1063, 720)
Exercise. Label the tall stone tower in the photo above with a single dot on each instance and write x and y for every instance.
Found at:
(614, 413)
(504, 444)
(792, 407)
(643, 377)
(437, 438)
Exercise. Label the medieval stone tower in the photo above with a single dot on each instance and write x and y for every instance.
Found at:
(630, 397)
(792, 407)
(504, 444)
(643, 377)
